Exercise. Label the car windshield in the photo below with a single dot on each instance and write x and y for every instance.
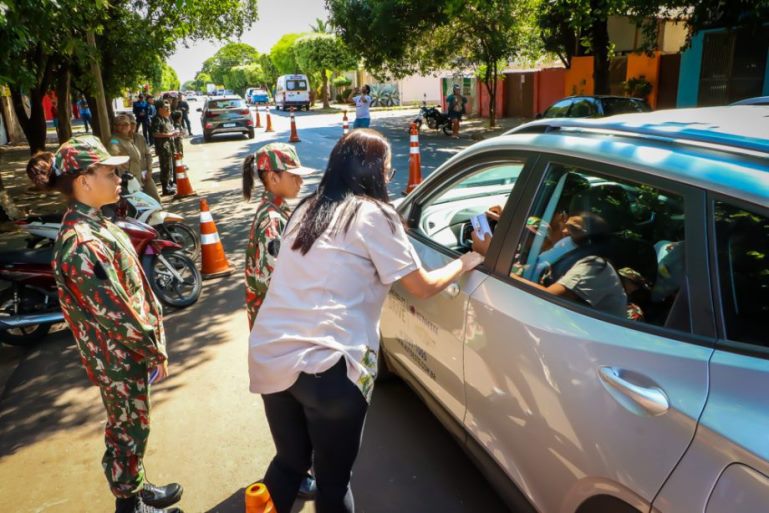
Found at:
(294, 85)
(612, 106)
(233, 103)
(494, 181)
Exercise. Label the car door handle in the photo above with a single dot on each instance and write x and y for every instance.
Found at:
(452, 290)
(651, 399)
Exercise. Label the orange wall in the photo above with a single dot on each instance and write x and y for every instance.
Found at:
(579, 78)
(549, 87)
(641, 64)
(483, 100)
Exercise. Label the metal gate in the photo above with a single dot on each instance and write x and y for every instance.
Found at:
(667, 87)
(519, 95)
(733, 66)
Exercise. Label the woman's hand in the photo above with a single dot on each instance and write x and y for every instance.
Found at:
(162, 372)
(471, 260)
(480, 246)
(494, 213)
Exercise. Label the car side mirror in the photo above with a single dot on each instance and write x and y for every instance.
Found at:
(199, 110)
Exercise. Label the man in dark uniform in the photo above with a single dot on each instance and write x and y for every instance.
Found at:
(163, 132)
(141, 111)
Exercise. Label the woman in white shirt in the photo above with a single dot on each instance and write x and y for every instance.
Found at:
(313, 348)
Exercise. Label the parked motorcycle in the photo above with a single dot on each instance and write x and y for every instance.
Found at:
(133, 204)
(434, 118)
(30, 305)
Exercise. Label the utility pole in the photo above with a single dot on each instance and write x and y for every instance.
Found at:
(101, 108)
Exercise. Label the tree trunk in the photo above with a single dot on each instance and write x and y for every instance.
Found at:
(491, 88)
(64, 130)
(325, 89)
(33, 124)
(95, 119)
(599, 33)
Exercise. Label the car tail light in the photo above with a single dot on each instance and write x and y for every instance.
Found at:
(250, 122)
(245, 112)
(209, 125)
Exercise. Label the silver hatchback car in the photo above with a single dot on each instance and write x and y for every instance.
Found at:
(612, 352)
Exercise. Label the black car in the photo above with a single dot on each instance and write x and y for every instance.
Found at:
(226, 115)
(594, 107)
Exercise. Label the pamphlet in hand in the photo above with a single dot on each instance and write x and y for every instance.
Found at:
(481, 226)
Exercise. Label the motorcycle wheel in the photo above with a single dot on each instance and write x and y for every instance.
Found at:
(27, 335)
(170, 290)
(184, 236)
(447, 129)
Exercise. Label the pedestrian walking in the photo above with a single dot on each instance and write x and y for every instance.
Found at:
(184, 106)
(163, 132)
(457, 104)
(314, 345)
(148, 181)
(114, 316)
(85, 113)
(362, 102)
(141, 111)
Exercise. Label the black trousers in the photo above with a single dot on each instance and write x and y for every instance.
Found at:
(317, 422)
(186, 120)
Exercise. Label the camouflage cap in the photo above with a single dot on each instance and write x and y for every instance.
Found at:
(81, 152)
(280, 157)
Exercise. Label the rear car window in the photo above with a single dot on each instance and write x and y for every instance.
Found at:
(235, 103)
(296, 85)
(612, 106)
(742, 241)
(558, 110)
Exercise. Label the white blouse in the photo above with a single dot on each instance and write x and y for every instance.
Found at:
(326, 305)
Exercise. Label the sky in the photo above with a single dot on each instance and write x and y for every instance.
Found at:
(276, 17)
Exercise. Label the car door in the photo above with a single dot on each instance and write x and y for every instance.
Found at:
(726, 470)
(425, 336)
(571, 398)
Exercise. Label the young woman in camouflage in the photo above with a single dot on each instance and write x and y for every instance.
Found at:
(114, 316)
(278, 168)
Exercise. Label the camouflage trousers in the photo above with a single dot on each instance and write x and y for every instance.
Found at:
(127, 404)
(165, 154)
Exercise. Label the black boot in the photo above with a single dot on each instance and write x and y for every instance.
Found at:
(126, 505)
(161, 496)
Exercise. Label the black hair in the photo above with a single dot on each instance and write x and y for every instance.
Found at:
(355, 173)
(366, 89)
(41, 171)
(249, 170)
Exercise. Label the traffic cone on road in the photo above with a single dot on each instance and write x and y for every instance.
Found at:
(294, 136)
(183, 185)
(415, 160)
(345, 125)
(269, 120)
(258, 118)
(258, 499)
(215, 262)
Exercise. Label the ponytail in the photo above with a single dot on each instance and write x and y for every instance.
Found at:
(249, 169)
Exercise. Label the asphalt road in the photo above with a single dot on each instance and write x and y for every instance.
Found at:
(208, 432)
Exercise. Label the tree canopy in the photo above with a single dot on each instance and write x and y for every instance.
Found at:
(282, 55)
(228, 57)
(322, 53)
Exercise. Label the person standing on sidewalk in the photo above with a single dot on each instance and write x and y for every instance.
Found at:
(146, 162)
(124, 143)
(152, 111)
(141, 111)
(163, 132)
(314, 345)
(114, 316)
(184, 106)
(362, 102)
(456, 103)
(85, 112)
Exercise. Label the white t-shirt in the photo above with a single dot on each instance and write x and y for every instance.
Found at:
(326, 304)
(362, 105)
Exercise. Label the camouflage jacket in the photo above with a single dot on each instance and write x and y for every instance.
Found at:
(105, 297)
(161, 125)
(270, 219)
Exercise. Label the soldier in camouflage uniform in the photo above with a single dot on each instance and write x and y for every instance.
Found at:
(163, 132)
(278, 168)
(114, 316)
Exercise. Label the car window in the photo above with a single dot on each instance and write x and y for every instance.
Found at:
(235, 103)
(296, 85)
(742, 239)
(612, 106)
(609, 244)
(558, 110)
(445, 216)
(582, 108)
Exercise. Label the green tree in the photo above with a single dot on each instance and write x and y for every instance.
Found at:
(165, 80)
(321, 27)
(269, 71)
(241, 77)
(283, 57)
(228, 57)
(201, 80)
(323, 53)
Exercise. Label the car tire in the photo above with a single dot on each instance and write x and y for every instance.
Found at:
(251, 133)
(206, 137)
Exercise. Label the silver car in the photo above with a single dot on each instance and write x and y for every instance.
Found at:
(612, 352)
(226, 115)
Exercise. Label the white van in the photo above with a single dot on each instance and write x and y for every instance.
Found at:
(292, 91)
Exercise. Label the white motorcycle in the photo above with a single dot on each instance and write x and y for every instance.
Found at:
(134, 204)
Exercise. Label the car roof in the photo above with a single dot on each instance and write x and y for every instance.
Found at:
(225, 97)
(758, 100)
(724, 149)
(600, 97)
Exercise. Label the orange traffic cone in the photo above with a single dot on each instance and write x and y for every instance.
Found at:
(415, 160)
(258, 499)
(294, 136)
(214, 261)
(258, 118)
(183, 185)
(269, 120)
(345, 125)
